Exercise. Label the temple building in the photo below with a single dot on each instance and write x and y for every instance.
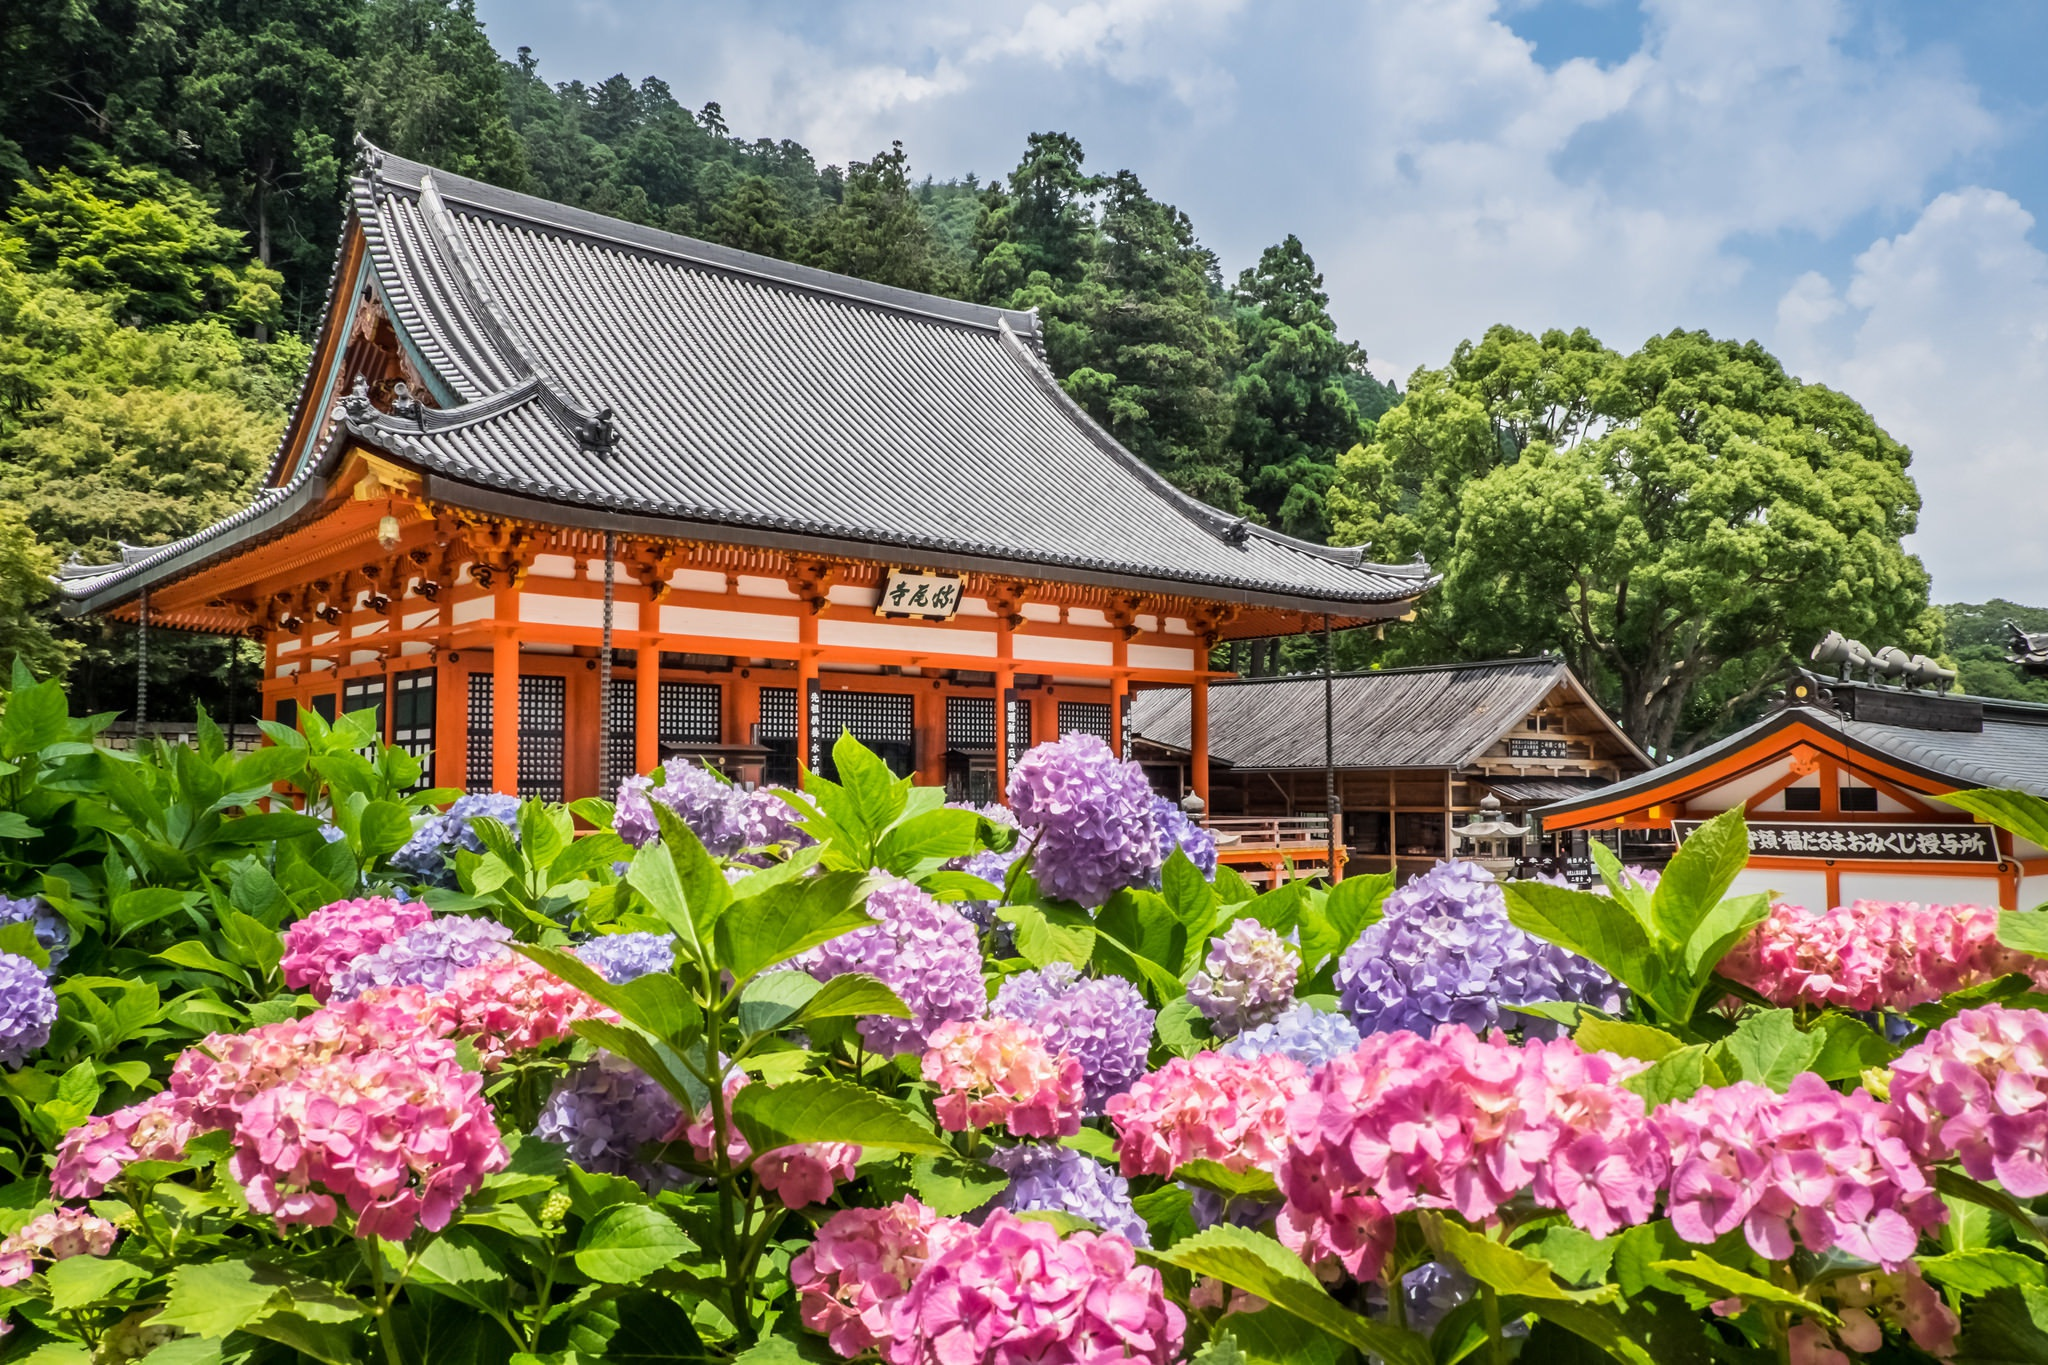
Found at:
(797, 503)
(1839, 786)
(1417, 755)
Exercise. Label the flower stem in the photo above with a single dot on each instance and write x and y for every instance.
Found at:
(1489, 1305)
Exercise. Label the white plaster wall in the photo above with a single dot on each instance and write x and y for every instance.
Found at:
(733, 625)
(1809, 889)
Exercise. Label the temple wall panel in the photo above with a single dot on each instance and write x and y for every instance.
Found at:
(1061, 650)
(731, 625)
(859, 634)
(1161, 657)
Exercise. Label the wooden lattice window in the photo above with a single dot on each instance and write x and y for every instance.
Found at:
(692, 713)
(778, 714)
(543, 728)
(478, 776)
(1085, 718)
(870, 717)
(364, 694)
(970, 722)
(412, 719)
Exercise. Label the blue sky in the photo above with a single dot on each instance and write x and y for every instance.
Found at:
(1854, 183)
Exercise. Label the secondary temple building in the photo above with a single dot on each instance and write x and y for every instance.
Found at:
(1840, 788)
(805, 503)
(1418, 755)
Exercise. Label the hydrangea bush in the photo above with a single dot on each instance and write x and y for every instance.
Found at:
(718, 1074)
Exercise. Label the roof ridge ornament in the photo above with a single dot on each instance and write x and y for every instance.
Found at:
(592, 430)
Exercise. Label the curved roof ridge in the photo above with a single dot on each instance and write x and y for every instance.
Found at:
(637, 237)
(1232, 530)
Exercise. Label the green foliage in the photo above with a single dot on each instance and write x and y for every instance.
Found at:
(430, 89)
(1674, 521)
(1974, 641)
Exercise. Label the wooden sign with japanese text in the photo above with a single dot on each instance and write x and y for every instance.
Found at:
(932, 596)
(1869, 842)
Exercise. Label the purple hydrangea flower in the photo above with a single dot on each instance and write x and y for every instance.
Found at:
(330, 832)
(1176, 830)
(431, 851)
(1244, 1211)
(1429, 1293)
(1249, 978)
(989, 865)
(1308, 1035)
(28, 1008)
(620, 958)
(604, 1112)
(1445, 953)
(724, 818)
(1045, 1175)
(1102, 1021)
(428, 956)
(52, 930)
(1094, 817)
(926, 952)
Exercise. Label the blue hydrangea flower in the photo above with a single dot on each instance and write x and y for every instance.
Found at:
(330, 832)
(1102, 1021)
(52, 930)
(28, 1009)
(1176, 830)
(428, 956)
(928, 953)
(1429, 1293)
(431, 851)
(1094, 817)
(1045, 1175)
(1248, 978)
(604, 1112)
(1445, 953)
(623, 957)
(1308, 1035)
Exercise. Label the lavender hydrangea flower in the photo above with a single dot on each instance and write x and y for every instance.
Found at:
(1308, 1035)
(724, 818)
(604, 1112)
(431, 851)
(1176, 830)
(1431, 1291)
(1045, 1175)
(1102, 1021)
(28, 1009)
(619, 958)
(1445, 953)
(926, 952)
(52, 930)
(1094, 817)
(428, 956)
(1249, 978)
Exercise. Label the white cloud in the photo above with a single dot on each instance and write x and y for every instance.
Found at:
(1942, 331)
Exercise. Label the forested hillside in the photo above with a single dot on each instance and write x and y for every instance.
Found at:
(171, 179)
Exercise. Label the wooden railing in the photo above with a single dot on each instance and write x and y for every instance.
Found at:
(1273, 831)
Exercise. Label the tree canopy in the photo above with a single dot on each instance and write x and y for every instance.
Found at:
(1674, 521)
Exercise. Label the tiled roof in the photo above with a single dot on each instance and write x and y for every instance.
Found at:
(582, 361)
(2011, 751)
(1438, 717)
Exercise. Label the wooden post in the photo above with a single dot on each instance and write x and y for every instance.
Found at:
(1006, 681)
(806, 675)
(647, 702)
(505, 704)
(1198, 739)
(451, 722)
(1119, 691)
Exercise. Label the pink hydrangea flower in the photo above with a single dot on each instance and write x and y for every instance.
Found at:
(54, 1236)
(1976, 1091)
(92, 1156)
(798, 1175)
(400, 1137)
(1465, 1123)
(848, 1280)
(332, 937)
(1866, 1304)
(508, 1005)
(1828, 1169)
(999, 1071)
(1874, 955)
(1208, 1107)
(1012, 1292)
(214, 1080)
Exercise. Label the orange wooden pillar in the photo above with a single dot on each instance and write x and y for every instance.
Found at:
(1198, 738)
(929, 712)
(1006, 683)
(646, 706)
(505, 702)
(451, 721)
(806, 683)
(1119, 692)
